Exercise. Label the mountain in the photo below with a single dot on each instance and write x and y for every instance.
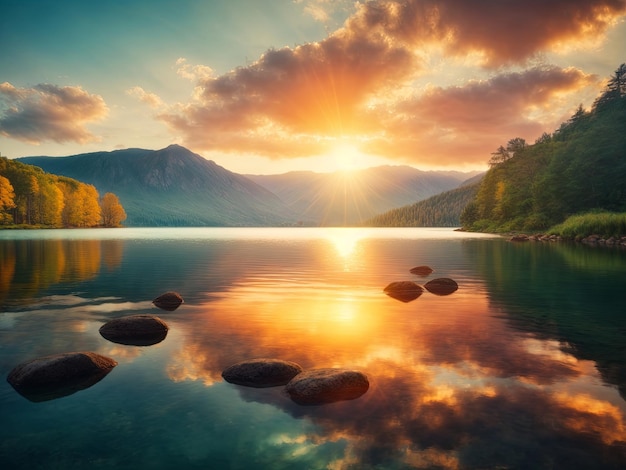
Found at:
(172, 187)
(440, 210)
(349, 198)
(175, 187)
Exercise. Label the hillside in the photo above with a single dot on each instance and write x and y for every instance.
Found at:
(579, 168)
(343, 198)
(441, 210)
(172, 187)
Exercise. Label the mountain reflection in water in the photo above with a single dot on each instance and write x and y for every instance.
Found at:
(521, 367)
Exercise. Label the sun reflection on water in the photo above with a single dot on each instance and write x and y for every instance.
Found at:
(344, 240)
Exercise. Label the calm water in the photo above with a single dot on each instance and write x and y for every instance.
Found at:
(524, 366)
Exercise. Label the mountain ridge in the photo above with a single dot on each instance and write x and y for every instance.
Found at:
(174, 186)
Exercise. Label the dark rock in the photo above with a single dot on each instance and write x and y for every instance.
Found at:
(404, 291)
(519, 238)
(261, 373)
(421, 270)
(136, 330)
(321, 386)
(59, 375)
(169, 301)
(441, 286)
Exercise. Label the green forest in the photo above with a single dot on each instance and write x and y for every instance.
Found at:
(29, 197)
(578, 169)
(441, 210)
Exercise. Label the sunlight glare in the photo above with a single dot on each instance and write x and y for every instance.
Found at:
(344, 240)
(347, 157)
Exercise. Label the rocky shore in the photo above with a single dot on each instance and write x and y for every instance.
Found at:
(589, 240)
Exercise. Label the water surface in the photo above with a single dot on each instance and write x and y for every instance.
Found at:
(524, 366)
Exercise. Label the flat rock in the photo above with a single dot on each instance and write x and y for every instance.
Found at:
(321, 386)
(137, 330)
(441, 286)
(421, 270)
(169, 301)
(404, 291)
(261, 373)
(58, 375)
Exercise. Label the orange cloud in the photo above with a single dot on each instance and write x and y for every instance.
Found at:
(49, 112)
(468, 122)
(311, 90)
(292, 102)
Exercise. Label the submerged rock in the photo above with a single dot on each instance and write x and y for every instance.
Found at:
(261, 373)
(404, 291)
(169, 301)
(321, 386)
(59, 375)
(441, 286)
(421, 270)
(136, 330)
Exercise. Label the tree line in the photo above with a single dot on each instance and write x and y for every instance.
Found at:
(441, 210)
(579, 168)
(29, 196)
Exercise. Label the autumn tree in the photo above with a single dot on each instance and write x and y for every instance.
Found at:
(7, 200)
(90, 206)
(112, 212)
(81, 208)
(49, 202)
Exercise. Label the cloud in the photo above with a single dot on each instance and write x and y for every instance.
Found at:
(49, 112)
(317, 89)
(444, 125)
(151, 99)
(360, 82)
(501, 32)
(323, 10)
(193, 72)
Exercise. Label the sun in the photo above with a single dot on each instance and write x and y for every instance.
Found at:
(346, 157)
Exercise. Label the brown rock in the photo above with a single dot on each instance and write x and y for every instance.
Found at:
(261, 373)
(169, 301)
(441, 286)
(405, 291)
(421, 270)
(58, 375)
(321, 386)
(519, 238)
(137, 330)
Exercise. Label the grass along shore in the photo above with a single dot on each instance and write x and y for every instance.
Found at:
(604, 225)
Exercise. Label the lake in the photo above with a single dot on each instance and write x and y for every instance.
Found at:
(524, 366)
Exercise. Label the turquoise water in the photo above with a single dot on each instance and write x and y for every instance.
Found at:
(524, 366)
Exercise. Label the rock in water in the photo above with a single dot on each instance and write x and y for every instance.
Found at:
(136, 330)
(404, 291)
(59, 375)
(321, 386)
(421, 270)
(169, 301)
(261, 373)
(441, 286)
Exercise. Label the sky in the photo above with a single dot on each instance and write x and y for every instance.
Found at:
(270, 86)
